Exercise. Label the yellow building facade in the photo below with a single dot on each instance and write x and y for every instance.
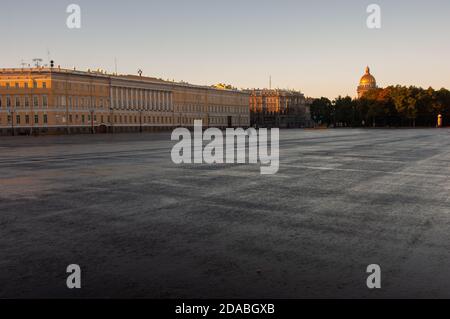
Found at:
(54, 100)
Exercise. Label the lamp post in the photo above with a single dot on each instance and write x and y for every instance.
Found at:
(111, 122)
(92, 121)
(11, 115)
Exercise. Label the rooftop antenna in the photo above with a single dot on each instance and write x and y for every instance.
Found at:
(37, 62)
(48, 56)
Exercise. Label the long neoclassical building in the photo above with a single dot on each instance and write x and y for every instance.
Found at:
(46, 100)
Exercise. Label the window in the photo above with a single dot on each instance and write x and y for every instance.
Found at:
(70, 118)
(35, 101)
(44, 101)
(45, 119)
(35, 84)
(7, 85)
(82, 118)
(36, 119)
(8, 101)
(18, 119)
(27, 119)
(17, 85)
(17, 101)
(26, 85)
(0, 101)
(27, 101)
(44, 85)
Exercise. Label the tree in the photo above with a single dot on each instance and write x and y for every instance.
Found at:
(344, 111)
(321, 111)
(393, 105)
(400, 97)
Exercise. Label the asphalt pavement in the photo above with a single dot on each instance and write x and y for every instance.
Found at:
(140, 226)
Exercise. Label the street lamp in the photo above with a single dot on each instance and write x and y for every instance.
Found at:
(92, 121)
(11, 115)
(111, 122)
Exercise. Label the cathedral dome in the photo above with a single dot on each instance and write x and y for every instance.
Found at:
(368, 78)
(366, 83)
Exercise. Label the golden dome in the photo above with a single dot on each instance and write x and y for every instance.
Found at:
(366, 83)
(368, 79)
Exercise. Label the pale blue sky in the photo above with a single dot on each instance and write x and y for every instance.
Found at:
(318, 47)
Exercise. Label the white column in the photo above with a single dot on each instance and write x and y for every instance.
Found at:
(158, 100)
(150, 96)
(116, 96)
(122, 98)
(152, 100)
(128, 97)
(168, 101)
(145, 99)
(164, 104)
(138, 99)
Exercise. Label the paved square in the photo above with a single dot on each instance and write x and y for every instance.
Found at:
(140, 226)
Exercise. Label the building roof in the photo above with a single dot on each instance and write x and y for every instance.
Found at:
(103, 74)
